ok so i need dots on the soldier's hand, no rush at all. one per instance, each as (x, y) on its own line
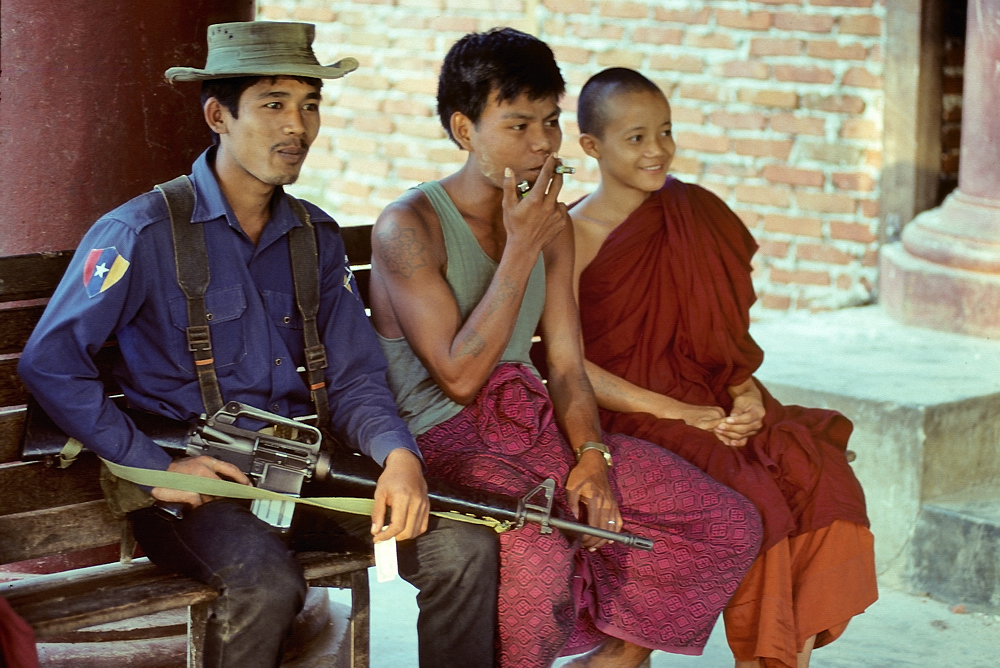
(203, 467)
(401, 487)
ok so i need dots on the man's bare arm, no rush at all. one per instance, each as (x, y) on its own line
(411, 296)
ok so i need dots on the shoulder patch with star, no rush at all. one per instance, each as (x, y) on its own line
(104, 267)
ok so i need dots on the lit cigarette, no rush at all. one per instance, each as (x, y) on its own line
(565, 169)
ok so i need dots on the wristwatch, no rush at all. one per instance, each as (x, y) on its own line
(594, 445)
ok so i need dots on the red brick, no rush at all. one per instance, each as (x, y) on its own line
(838, 104)
(725, 119)
(769, 46)
(766, 195)
(746, 69)
(851, 232)
(822, 253)
(870, 258)
(358, 102)
(705, 92)
(800, 276)
(820, 75)
(354, 144)
(803, 22)
(841, 3)
(862, 78)
(831, 50)
(691, 16)
(953, 110)
(793, 176)
(679, 114)
(749, 218)
(320, 161)
(853, 181)
(952, 85)
(571, 54)
(445, 155)
(763, 148)
(272, 13)
(314, 14)
(861, 24)
(873, 158)
(624, 10)
(658, 35)
(382, 125)
(774, 302)
(602, 31)
(719, 189)
(737, 19)
(683, 165)
(801, 226)
(462, 24)
(568, 6)
(844, 281)
(799, 125)
(713, 40)
(372, 166)
(628, 58)
(701, 142)
(368, 82)
(949, 163)
(728, 169)
(951, 138)
(825, 202)
(869, 208)
(398, 149)
(860, 128)
(772, 248)
(681, 63)
(782, 99)
(419, 127)
(779, 2)
(407, 107)
(353, 188)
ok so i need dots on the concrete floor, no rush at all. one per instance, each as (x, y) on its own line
(897, 632)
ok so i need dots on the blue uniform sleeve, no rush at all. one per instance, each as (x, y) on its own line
(361, 404)
(102, 290)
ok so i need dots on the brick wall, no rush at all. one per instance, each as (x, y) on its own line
(776, 103)
(952, 79)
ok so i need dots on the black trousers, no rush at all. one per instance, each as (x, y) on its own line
(454, 565)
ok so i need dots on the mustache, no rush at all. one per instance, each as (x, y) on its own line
(291, 143)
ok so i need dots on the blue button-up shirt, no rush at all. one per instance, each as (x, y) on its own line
(123, 281)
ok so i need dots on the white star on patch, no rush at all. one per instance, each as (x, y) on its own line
(100, 270)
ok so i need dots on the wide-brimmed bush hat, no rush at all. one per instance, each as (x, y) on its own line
(261, 48)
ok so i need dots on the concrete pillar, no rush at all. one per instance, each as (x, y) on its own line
(945, 274)
(86, 119)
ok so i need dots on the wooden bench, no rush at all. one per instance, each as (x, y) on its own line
(46, 511)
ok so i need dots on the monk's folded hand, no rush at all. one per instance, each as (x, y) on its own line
(534, 221)
(745, 420)
(702, 417)
(588, 484)
(401, 487)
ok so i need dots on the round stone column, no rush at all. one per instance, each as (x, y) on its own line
(87, 120)
(945, 274)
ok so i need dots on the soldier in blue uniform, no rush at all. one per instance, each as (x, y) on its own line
(261, 97)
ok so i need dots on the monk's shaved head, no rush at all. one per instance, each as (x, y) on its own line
(591, 110)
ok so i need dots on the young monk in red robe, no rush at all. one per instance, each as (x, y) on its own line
(664, 289)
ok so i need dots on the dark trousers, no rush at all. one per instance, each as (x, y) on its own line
(454, 566)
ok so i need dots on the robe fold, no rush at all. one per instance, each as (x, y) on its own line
(665, 305)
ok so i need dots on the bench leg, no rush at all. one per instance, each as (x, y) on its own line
(360, 620)
(197, 627)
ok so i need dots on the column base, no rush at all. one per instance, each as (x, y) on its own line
(919, 292)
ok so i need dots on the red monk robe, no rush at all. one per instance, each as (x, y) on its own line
(665, 305)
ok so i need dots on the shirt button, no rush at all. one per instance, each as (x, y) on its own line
(286, 319)
(275, 408)
(277, 362)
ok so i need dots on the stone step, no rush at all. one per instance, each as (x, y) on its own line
(956, 549)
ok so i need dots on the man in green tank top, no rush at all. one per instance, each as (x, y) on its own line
(463, 272)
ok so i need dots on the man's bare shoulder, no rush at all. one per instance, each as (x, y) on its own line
(407, 234)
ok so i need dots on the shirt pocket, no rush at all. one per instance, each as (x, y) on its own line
(282, 310)
(225, 308)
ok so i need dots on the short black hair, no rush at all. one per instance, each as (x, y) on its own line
(228, 91)
(591, 111)
(504, 60)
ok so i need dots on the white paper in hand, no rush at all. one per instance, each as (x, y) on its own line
(386, 566)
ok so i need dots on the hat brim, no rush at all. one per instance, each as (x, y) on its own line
(335, 71)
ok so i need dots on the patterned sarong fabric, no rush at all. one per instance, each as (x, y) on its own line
(557, 598)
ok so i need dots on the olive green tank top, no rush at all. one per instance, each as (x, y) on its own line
(421, 402)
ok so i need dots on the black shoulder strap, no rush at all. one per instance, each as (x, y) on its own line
(305, 271)
(191, 261)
